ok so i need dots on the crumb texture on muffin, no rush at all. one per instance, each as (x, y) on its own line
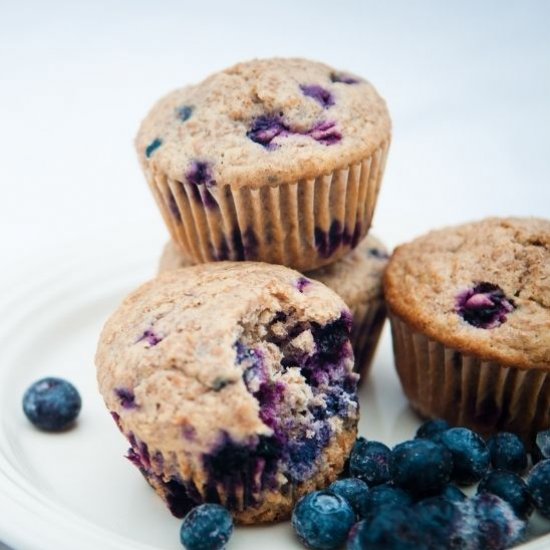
(482, 288)
(232, 384)
(263, 122)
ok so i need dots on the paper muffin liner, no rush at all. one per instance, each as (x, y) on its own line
(303, 224)
(368, 322)
(246, 493)
(442, 382)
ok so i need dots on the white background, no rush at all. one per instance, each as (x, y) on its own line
(468, 86)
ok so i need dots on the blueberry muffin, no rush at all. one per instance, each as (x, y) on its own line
(233, 383)
(470, 313)
(277, 160)
(356, 278)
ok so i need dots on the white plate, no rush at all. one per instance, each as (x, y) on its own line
(75, 490)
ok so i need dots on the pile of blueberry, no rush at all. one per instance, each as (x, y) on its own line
(407, 497)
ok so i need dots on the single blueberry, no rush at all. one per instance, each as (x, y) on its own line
(206, 527)
(126, 397)
(452, 493)
(343, 78)
(484, 306)
(352, 489)
(383, 497)
(325, 133)
(319, 94)
(541, 448)
(507, 452)
(538, 482)
(491, 523)
(152, 147)
(509, 487)
(52, 404)
(432, 428)
(421, 467)
(392, 529)
(265, 129)
(471, 456)
(439, 523)
(322, 520)
(369, 461)
(185, 112)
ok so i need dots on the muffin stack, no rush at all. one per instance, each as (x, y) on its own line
(276, 161)
(233, 377)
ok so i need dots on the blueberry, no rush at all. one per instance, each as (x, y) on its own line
(432, 428)
(152, 147)
(421, 467)
(440, 523)
(52, 404)
(394, 529)
(491, 523)
(369, 461)
(471, 457)
(319, 94)
(541, 448)
(206, 527)
(343, 78)
(538, 482)
(185, 112)
(484, 306)
(322, 520)
(381, 498)
(509, 487)
(507, 452)
(265, 129)
(352, 489)
(452, 493)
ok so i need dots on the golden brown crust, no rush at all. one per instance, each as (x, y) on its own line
(424, 278)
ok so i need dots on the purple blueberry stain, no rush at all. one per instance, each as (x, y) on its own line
(150, 337)
(189, 432)
(126, 397)
(185, 112)
(319, 94)
(484, 306)
(152, 147)
(265, 129)
(302, 283)
(199, 175)
(325, 133)
(328, 242)
(343, 78)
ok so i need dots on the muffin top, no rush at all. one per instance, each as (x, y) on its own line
(482, 288)
(263, 122)
(356, 278)
(224, 349)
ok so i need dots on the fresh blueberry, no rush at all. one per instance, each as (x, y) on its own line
(352, 489)
(369, 461)
(319, 94)
(421, 467)
(509, 487)
(439, 523)
(484, 306)
(431, 429)
(185, 112)
(471, 457)
(507, 452)
(541, 448)
(538, 482)
(322, 520)
(152, 147)
(206, 527)
(52, 404)
(381, 498)
(491, 523)
(452, 493)
(394, 529)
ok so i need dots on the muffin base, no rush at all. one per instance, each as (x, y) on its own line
(368, 323)
(278, 505)
(442, 382)
(303, 224)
